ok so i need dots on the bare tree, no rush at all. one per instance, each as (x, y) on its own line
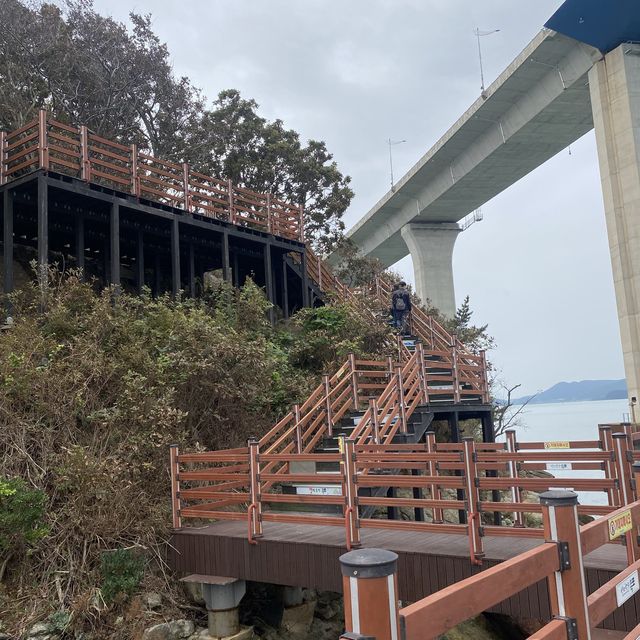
(507, 415)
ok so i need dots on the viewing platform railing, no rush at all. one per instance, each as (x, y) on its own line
(45, 143)
(440, 480)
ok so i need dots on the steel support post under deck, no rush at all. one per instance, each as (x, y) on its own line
(140, 261)
(305, 280)
(285, 289)
(80, 245)
(175, 258)
(7, 238)
(235, 276)
(114, 245)
(268, 281)
(192, 271)
(226, 264)
(43, 230)
(157, 273)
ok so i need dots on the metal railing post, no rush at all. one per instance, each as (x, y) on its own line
(185, 187)
(636, 479)
(473, 498)
(422, 372)
(298, 427)
(175, 485)
(232, 213)
(301, 230)
(432, 470)
(85, 160)
(370, 587)
(484, 377)
(255, 509)
(43, 144)
(606, 444)
(621, 449)
(327, 397)
(269, 220)
(516, 493)
(375, 420)
(402, 414)
(454, 371)
(354, 380)
(135, 179)
(351, 515)
(567, 589)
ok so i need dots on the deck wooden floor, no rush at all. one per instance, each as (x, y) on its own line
(304, 555)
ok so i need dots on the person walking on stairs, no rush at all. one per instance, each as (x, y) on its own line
(400, 306)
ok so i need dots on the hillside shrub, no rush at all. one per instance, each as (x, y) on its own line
(95, 386)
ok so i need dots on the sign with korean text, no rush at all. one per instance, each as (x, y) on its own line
(557, 444)
(627, 587)
(559, 466)
(620, 524)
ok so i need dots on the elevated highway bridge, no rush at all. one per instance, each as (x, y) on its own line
(581, 71)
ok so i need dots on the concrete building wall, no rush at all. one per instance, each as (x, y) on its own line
(615, 96)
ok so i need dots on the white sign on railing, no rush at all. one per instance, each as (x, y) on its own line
(627, 588)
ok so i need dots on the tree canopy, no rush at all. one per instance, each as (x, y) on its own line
(118, 80)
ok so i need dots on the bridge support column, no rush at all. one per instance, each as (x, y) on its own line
(615, 97)
(431, 248)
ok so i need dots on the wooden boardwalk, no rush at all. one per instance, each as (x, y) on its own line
(307, 556)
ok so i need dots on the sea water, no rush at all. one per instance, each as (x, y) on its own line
(570, 421)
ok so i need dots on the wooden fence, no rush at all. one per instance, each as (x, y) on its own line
(45, 143)
(437, 479)
(559, 560)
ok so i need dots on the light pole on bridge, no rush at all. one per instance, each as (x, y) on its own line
(392, 143)
(480, 33)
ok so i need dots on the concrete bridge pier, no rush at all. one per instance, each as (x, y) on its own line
(431, 247)
(615, 97)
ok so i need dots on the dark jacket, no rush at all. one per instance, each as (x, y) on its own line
(401, 294)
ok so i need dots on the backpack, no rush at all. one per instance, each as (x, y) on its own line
(399, 303)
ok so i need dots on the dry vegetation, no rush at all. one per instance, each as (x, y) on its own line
(94, 388)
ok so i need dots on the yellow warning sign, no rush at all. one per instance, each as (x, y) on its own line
(557, 444)
(620, 524)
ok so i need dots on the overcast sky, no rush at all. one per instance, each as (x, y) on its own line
(356, 72)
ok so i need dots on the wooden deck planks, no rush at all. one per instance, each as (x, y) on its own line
(299, 555)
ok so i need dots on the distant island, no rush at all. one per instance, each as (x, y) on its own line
(582, 391)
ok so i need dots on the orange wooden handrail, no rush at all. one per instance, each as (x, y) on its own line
(45, 143)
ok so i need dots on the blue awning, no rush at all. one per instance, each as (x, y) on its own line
(604, 24)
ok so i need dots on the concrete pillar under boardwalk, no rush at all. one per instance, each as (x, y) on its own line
(615, 97)
(222, 598)
(431, 247)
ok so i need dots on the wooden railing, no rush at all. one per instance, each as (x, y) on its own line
(446, 479)
(468, 370)
(559, 560)
(48, 144)
(370, 582)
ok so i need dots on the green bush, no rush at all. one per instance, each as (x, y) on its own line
(22, 512)
(122, 571)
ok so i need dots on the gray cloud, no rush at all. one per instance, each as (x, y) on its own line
(355, 72)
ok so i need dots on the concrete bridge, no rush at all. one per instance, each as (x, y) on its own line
(581, 71)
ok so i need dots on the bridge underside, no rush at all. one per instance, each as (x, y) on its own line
(307, 556)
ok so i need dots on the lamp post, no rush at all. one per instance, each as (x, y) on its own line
(480, 33)
(392, 143)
